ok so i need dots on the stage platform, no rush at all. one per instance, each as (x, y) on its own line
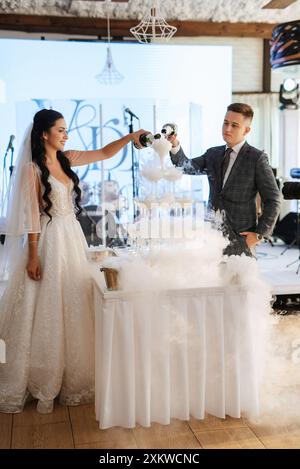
(273, 265)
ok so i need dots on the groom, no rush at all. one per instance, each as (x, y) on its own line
(236, 172)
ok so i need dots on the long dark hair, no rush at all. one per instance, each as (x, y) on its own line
(42, 122)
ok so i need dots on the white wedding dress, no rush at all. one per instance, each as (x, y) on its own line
(48, 325)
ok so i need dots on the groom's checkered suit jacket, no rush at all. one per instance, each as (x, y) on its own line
(250, 174)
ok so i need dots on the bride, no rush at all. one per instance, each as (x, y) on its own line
(46, 311)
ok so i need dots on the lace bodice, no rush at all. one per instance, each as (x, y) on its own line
(61, 197)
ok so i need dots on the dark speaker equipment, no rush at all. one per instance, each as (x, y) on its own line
(291, 190)
(88, 219)
(286, 304)
(286, 229)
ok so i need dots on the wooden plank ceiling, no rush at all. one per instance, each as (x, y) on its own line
(85, 26)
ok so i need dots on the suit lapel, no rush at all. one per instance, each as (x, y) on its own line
(218, 166)
(238, 162)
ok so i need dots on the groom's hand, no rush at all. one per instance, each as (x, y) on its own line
(173, 139)
(251, 238)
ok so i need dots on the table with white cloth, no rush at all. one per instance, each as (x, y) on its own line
(174, 354)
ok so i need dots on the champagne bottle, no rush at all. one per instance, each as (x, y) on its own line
(146, 140)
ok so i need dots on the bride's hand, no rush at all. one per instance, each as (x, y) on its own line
(136, 137)
(34, 268)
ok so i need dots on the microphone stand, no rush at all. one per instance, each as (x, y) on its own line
(133, 169)
(132, 159)
(93, 225)
(11, 168)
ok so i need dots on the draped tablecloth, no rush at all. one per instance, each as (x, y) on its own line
(174, 354)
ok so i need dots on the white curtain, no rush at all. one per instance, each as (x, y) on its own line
(265, 126)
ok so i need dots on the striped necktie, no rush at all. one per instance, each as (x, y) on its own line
(225, 162)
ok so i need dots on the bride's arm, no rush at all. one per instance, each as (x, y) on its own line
(33, 266)
(80, 158)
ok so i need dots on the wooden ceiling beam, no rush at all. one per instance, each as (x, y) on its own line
(120, 28)
(226, 29)
(278, 4)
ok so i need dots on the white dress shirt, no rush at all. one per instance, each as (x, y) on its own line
(233, 157)
(176, 149)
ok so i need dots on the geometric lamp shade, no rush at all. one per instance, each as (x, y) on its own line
(153, 26)
(109, 74)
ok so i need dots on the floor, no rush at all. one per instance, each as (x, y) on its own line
(279, 267)
(76, 427)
